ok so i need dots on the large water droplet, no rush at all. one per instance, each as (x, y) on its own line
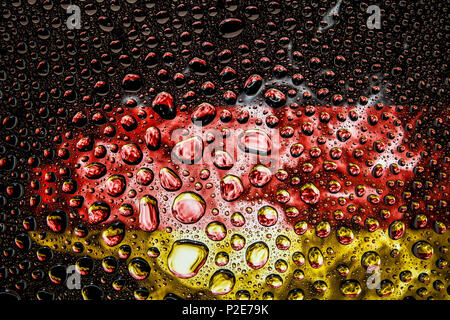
(169, 179)
(259, 176)
(148, 213)
(267, 216)
(315, 257)
(309, 193)
(257, 255)
(186, 258)
(138, 268)
(188, 207)
(189, 151)
(231, 187)
(255, 141)
(222, 282)
(231, 27)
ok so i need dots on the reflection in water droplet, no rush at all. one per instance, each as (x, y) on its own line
(315, 257)
(148, 213)
(237, 242)
(114, 234)
(255, 141)
(267, 216)
(222, 282)
(274, 281)
(396, 230)
(350, 288)
(386, 288)
(216, 231)
(222, 259)
(422, 250)
(296, 294)
(309, 193)
(169, 179)
(139, 268)
(188, 151)
(231, 187)
(370, 261)
(259, 176)
(345, 235)
(188, 207)
(257, 255)
(186, 258)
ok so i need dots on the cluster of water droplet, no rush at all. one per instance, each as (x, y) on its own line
(222, 147)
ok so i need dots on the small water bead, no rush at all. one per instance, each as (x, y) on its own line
(118, 284)
(109, 264)
(144, 176)
(169, 179)
(231, 187)
(442, 263)
(298, 258)
(126, 210)
(131, 154)
(124, 251)
(268, 296)
(188, 207)
(153, 252)
(242, 295)
(320, 286)
(204, 174)
(406, 276)
(292, 212)
(283, 196)
(345, 235)
(300, 227)
(323, 229)
(99, 212)
(396, 230)
(148, 213)
(343, 270)
(255, 141)
(84, 265)
(371, 224)
(309, 193)
(438, 285)
(113, 234)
